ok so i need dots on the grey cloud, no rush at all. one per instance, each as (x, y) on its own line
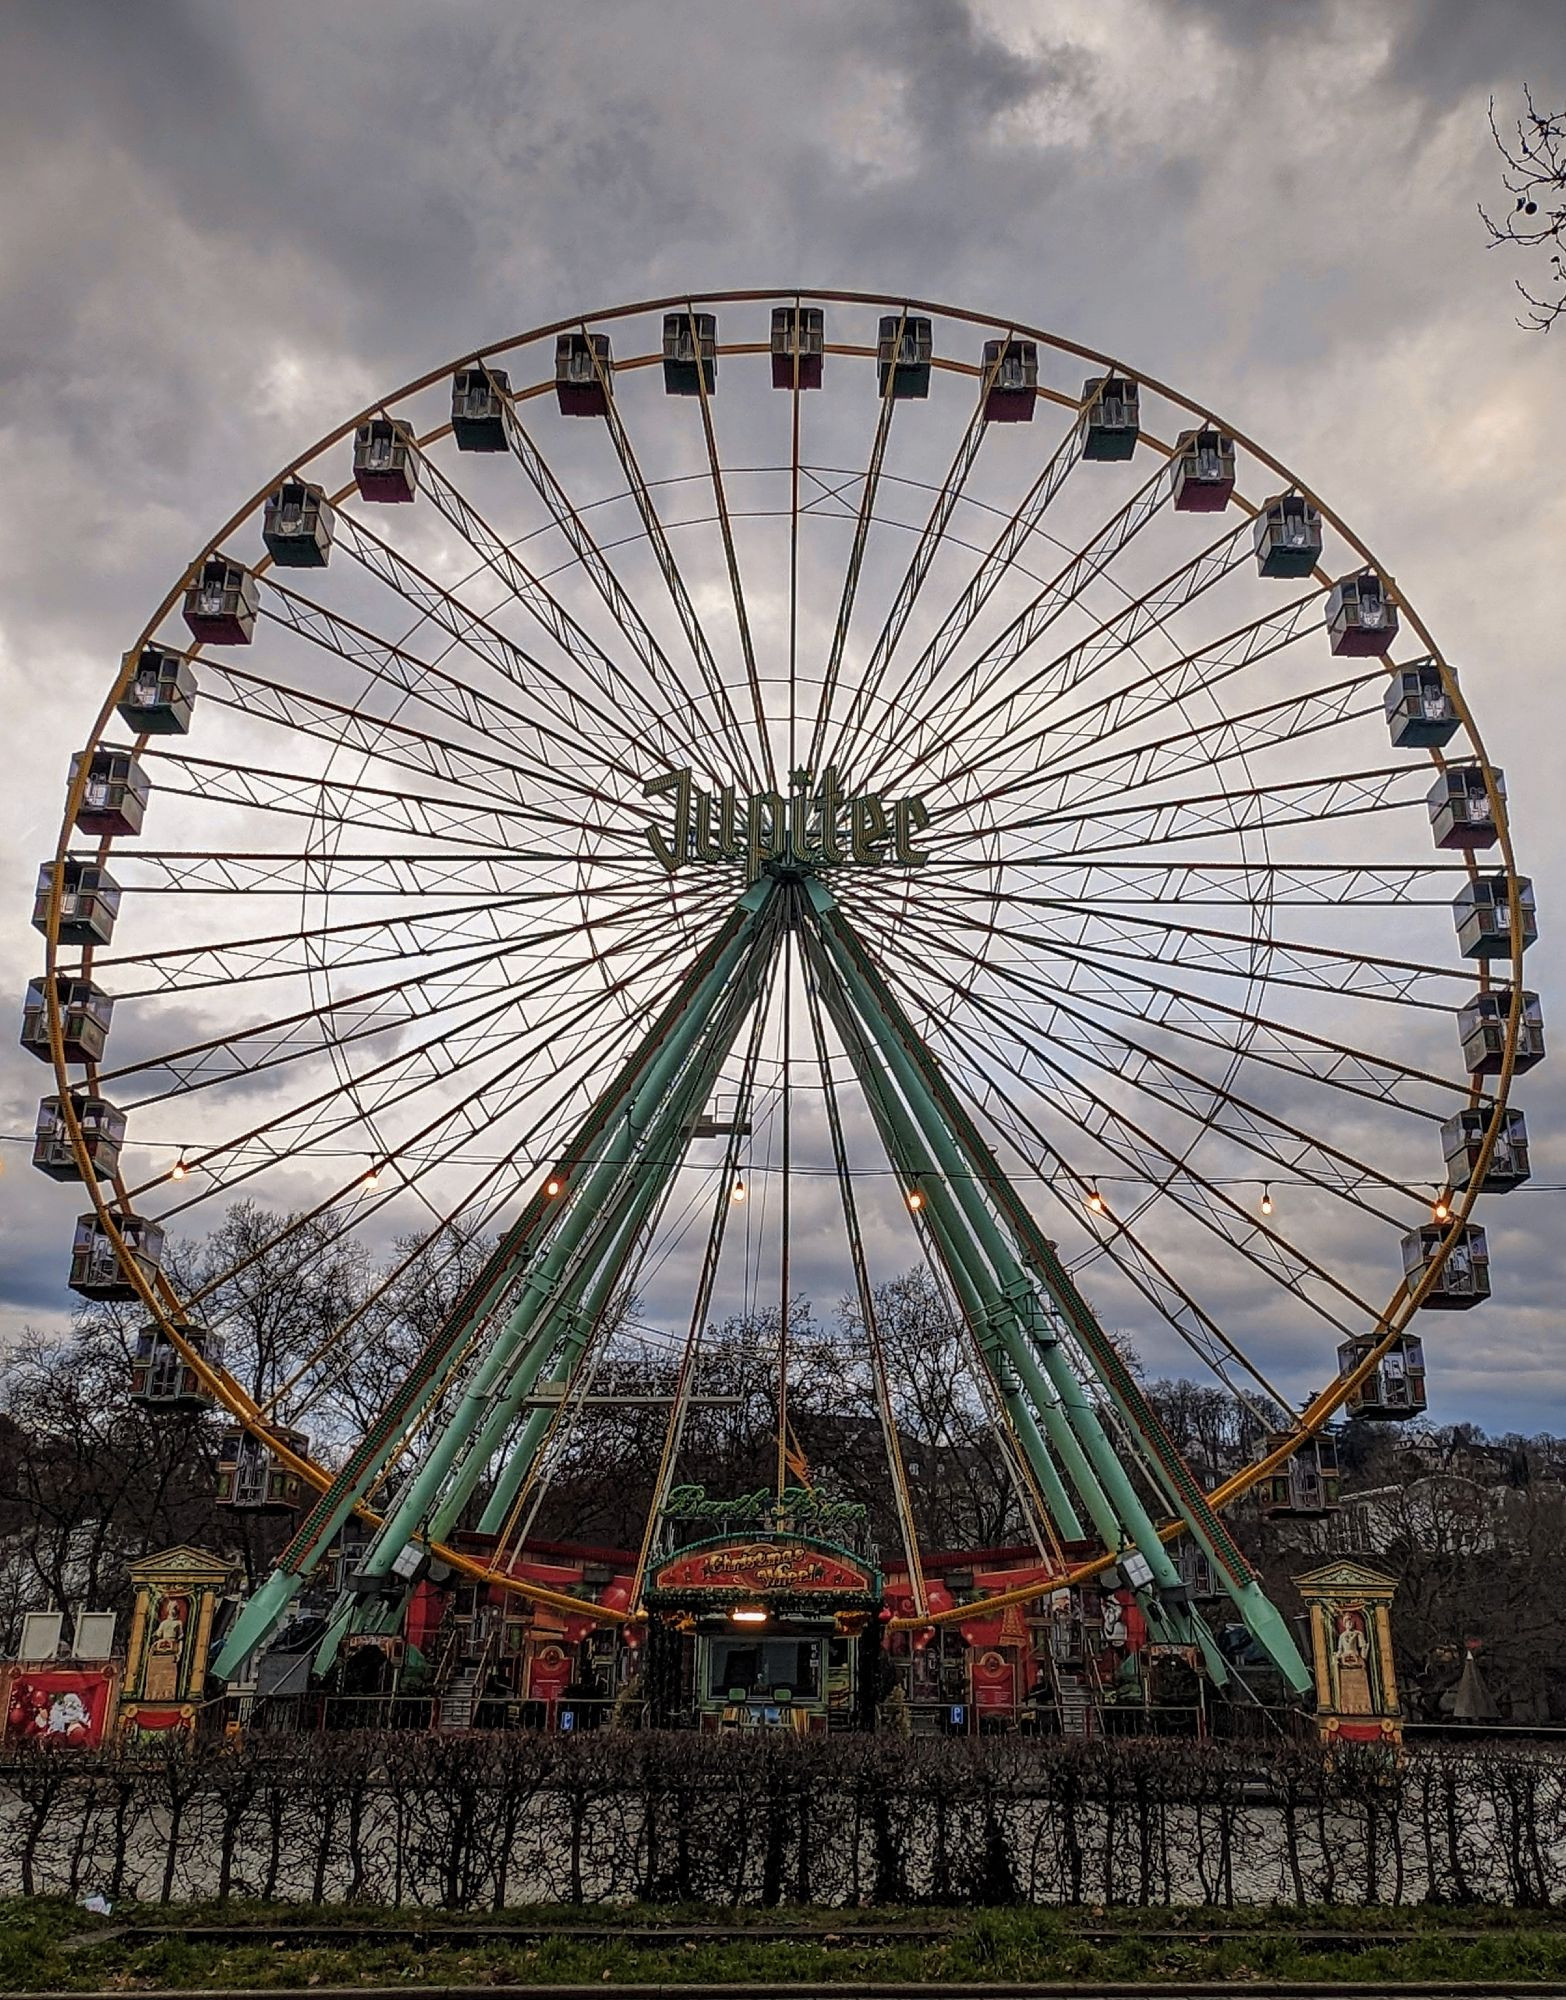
(206, 198)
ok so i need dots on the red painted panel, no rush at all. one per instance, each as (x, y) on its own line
(763, 1567)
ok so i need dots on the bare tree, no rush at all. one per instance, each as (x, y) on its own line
(1535, 178)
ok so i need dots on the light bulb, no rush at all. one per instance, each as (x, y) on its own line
(1442, 1208)
(1095, 1201)
(372, 1179)
(179, 1170)
(1266, 1200)
(915, 1200)
(553, 1186)
(737, 1192)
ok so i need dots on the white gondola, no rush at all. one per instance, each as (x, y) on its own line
(584, 374)
(1462, 1142)
(297, 526)
(1014, 385)
(1420, 711)
(1482, 1023)
(114, 798)
(1462, 810)
(96, 1269)
(1464, 1280)
(1394, 1389)
(478, 418)
(798, 341)
(1114, 420)
(161, 693)
(102, 1130)
(85, 1014)
(905, 349)
(1482, 911)
(1287, 536)
(690, 353)
(221, 605)
(385, 461)
(1361, 616)
(1204, 472)
(89, 901)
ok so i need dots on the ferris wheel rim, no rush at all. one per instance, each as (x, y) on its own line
(1404, 1302)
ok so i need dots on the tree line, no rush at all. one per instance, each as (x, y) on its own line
(1474, 1529)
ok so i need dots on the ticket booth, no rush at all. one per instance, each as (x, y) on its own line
(778, 1621)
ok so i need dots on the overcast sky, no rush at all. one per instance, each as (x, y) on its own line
(223, 227)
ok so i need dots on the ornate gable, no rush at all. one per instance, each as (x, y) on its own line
(1345, 1579)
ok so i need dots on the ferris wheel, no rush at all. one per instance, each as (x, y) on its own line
(741, 788)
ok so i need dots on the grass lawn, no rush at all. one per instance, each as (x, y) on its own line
(52, 1945)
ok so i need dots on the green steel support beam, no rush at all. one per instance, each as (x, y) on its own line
(904, 1149)
(584, 1214)
(563, 1315)
(445, 1351)
(1108, 1492)
(661, 1152)
(977, 1170)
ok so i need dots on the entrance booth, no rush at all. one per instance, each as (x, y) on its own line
(783, 1627)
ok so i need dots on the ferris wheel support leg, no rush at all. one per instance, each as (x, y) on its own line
(976, 1168)
(599, 1132)
(1009, 1297)
(568, 1334)
(573, 1315)
(1004, 1339)
(566, 1350)
(997, 1345)
(473, 1418)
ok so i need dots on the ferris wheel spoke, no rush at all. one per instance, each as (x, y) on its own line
(924, 553)
(1165, 1173)
(481, 1201)
(1112, 883)
(411, 872)
(1052, 602)
(566, 715)
(433, 686)
(1015, 765)
(1113, 638)
(325, 947)
(1111, 831)
(1241, 737)
(1085, 885)
(1208, 1101)
(917, 685)
(1199, 949)
(1283, 1045)
(423, 1158)
(596, 567)
(1217, 1105)
(548, 1124)
(731, 562)
(674, 582)
(655, 729)
(1154, 1163)
(349, 1018)
(474, 767)
(1192, 1323)
(869, 489)
(351, 805)
(400, 1076)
